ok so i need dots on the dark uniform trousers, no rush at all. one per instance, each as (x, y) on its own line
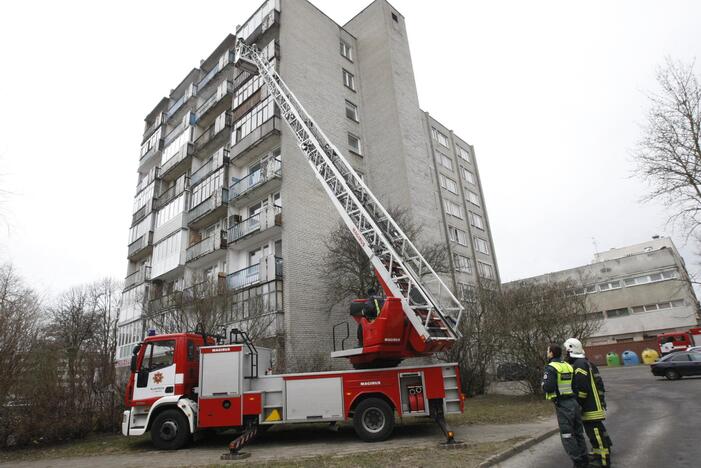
(569, 418)
(600, 442)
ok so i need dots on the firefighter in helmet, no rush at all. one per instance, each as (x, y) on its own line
(589, 388)
(557, 385)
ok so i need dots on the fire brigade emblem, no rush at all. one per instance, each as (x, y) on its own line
(158, 377)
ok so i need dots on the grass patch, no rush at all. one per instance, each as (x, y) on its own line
(470, 456)
(102, 444)
(502, 409)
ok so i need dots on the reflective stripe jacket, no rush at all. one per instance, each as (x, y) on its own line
(589, 388)
(557, 380)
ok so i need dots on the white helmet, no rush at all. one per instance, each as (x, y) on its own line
(574, 347)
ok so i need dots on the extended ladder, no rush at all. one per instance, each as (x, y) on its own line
(432, 309)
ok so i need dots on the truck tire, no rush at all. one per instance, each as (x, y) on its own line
(373, 420)
(170, 430)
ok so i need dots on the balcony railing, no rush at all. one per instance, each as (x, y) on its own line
(214, 201)
(271, 170)
(139, 276)
(258, 222)
(168, 301)
(225, 89)
(180, 186)
(243, 278)
(260, 308)
(176, 106)
(206, 246)
(183, 153)
(140, 244)
(215, 70)
(142, 212)
(157, 122)
(256, 137)
(152, 175)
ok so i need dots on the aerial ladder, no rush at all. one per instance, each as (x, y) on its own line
(420, 315)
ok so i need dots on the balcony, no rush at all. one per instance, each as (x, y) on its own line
(153, 174)
(199, 251)
(178, 164)
(267, 269)
(259, 309)
(258, 228)
(140, 276)
(149, 151)
(166, 302)
(216, 103)
(209, 210)
(257, 142)
(158, 121)
(141, 247)
(142, 212)
(219, 159)
(224, 61)
(215, 135)
(262, 20)
(258, 184)
(181, 185)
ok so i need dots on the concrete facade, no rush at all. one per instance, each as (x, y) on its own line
(636, 291)
(271, 215)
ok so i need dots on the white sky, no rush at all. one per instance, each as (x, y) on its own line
(551, 94)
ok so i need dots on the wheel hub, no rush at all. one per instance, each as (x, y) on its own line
(373, 420)
(169, 430)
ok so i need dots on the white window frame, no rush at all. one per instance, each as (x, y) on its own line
(445, 161)
(439, 137)
(473, 198)
(462, 153)
(486, 270)
(448, 184)
(462, 263)
(468, 176)
(353, 110)
(346, 50)
(348, 80)
(357, 150)
(457, 235)
(473, 217)
(452, 209)
(481, 245)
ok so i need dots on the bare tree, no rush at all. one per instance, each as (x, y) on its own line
(669, 153)
(348, 271)
(19, 320)
(535, 314)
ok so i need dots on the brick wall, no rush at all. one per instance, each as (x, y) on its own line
(597, 354)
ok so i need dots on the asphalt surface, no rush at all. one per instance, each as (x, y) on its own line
(652, 422)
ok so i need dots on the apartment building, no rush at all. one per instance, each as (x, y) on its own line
(224, 194)
(636, 292)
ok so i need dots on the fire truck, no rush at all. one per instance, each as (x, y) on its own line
(678, 341)
(184, 383)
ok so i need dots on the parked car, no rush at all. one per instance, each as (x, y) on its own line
(512, 371)
(694, 349)
(674, 366)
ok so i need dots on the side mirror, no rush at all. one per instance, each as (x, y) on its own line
(133, 363)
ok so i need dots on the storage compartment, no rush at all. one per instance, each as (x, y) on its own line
(220, 372)
(413, 396)
(314, 399)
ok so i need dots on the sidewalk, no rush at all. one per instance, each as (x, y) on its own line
(296, 444)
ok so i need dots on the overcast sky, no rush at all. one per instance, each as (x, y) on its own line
(551, 94)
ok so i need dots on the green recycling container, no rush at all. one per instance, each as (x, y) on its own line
(612, 359)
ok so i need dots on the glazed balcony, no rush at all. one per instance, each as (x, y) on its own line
(142, 212)
(166, 302)
(214, 136)
(259, 141)
(257, 184)
(173, 192)
(141, 247)
(178, 163)
(200, 251)
(209, 210)
(259, 307)
(216, 103)
(140, 276)
(219, 159)
(267, 269)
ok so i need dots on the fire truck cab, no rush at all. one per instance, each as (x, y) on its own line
(184, 383)
(678, 341)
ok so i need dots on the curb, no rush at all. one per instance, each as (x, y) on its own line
(519, 447)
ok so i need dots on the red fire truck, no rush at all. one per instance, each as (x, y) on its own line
(678, 341)
(184, 383)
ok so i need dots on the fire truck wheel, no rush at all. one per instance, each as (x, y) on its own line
(373, 420)
(170, 430)
(671, 374)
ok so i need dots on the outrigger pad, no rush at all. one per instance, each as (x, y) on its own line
(453, 444)
(235, 456)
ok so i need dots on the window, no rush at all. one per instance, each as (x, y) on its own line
(354, 144)
(462, 263)
(348, 79)
(638, 309)
(261, 113)
(651, 278)
(696, 357)
(158, 355)
(346, 50)
(462, 153)
(467, 293)
(170, 211)
(473, 198)
(468, 176)
(617, 312)
(678, 303)
(193, 351)
(448, 184)
(439, 137)
(680, 357)
(485, 270)
(595, 316)
(395, 18)
(610, 285)
(452, 209)
(444, 161)
(457, 235)
(481, 245)
(476, 220)
(352, 111)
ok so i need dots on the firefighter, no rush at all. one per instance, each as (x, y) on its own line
(373, 305)
(589, 388)
(557, 385)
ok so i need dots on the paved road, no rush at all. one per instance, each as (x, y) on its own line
(652, 422)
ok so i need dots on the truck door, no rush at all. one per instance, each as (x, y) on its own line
(156, 376)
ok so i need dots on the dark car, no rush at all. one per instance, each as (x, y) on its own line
(512, 371)
(677, 365)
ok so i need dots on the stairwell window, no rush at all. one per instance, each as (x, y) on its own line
(444, 161)
(468, 176)
(462, 153)
(346, 50)
(348, 80)
(476, 220)
(473, 198)
(354, 144)
(439, 137)
(462, 263)
(457, 235)
(452, 209)
(448, 184)
(485, 270)
(352, 111)
(481, 245)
